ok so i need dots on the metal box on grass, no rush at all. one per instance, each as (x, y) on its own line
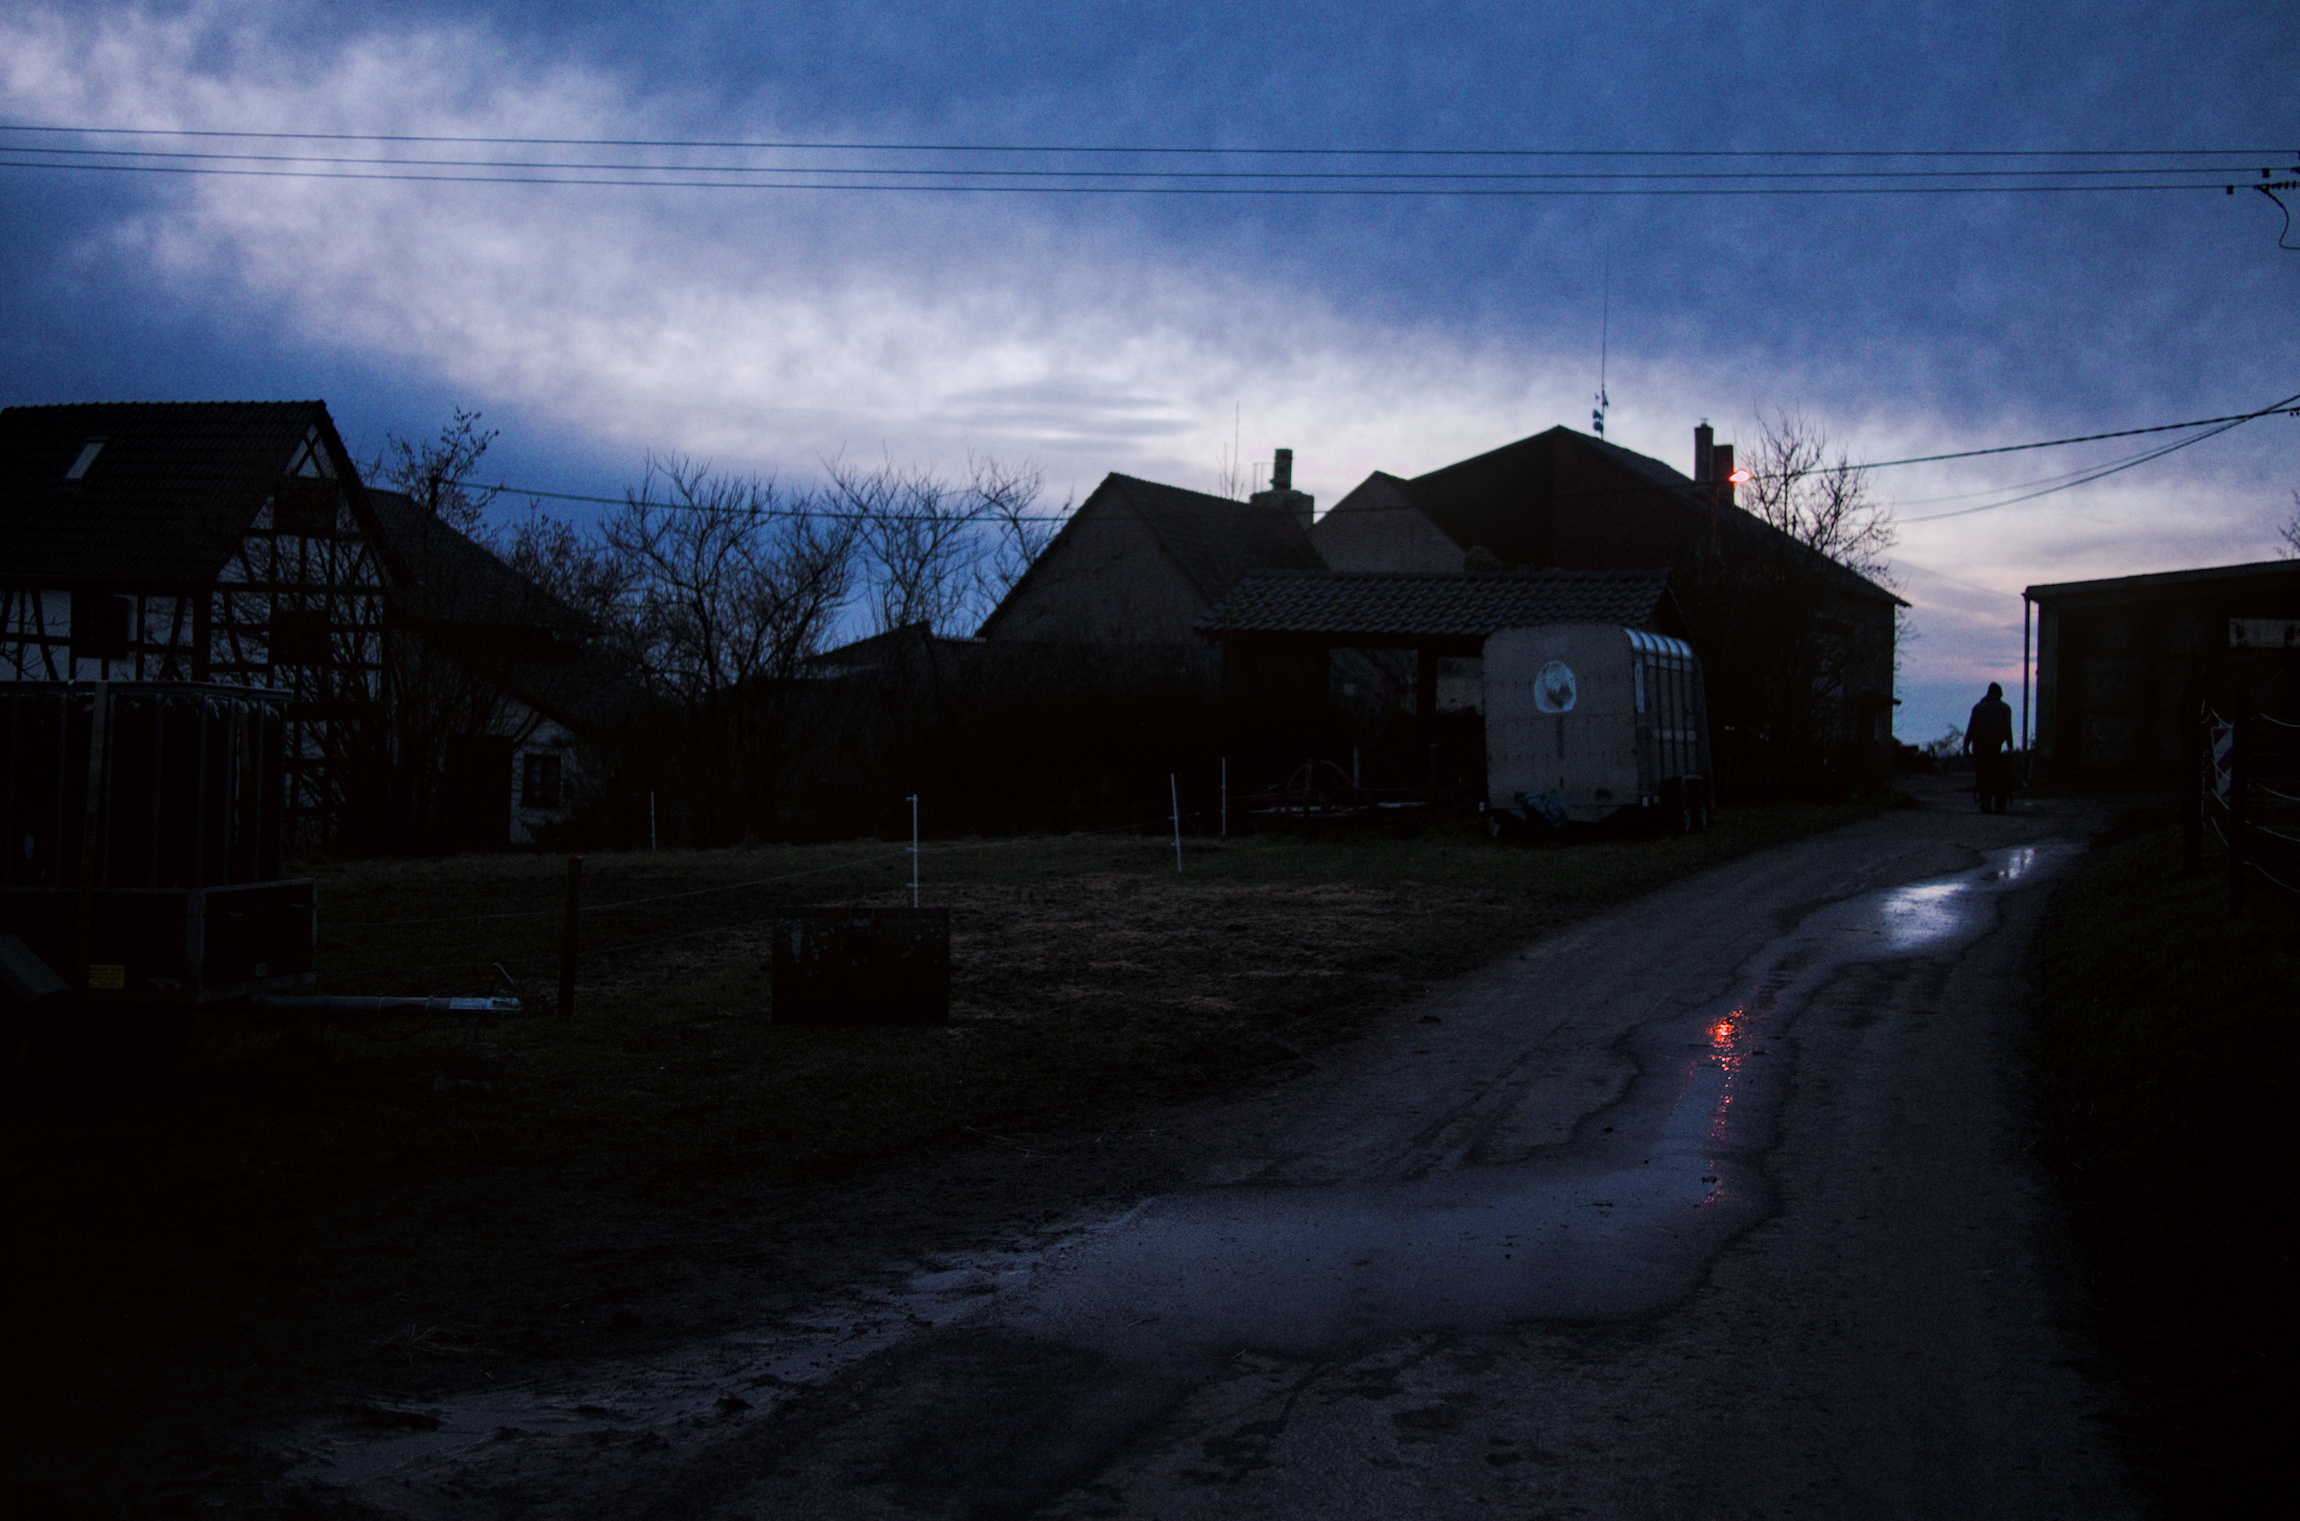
(862, 966)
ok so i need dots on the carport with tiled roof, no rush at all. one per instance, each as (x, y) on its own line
(1279, 630)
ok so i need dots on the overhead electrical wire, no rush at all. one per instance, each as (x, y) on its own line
(2001, 488)
(2085, 177)
(2218, 425)
(865, 167)
(1100, 174)
(1143, 148)
(2286, 405)
(2085, 438)
(1130, 188)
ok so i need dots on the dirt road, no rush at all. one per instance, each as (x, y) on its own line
(1717, 1205)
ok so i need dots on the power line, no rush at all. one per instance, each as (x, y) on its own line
(2113, 469)
(1148, 148)
(2000, 489)
(1167, 189)
(63, 155)
(2085, 438)
(2090, 473)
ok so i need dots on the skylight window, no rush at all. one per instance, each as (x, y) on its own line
(88, 453)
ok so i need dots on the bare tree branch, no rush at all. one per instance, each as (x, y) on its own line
(725, 586)
(1821, 503)
(922, 538)
(939, 554)
(1021, 530)
(437, 474)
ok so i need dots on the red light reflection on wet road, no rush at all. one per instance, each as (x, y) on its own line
(1724, 1035)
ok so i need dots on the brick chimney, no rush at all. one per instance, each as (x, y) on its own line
(1721, 472)
(1282, 493)
(1702, 443)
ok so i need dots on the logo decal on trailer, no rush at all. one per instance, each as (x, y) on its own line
(1554, 690)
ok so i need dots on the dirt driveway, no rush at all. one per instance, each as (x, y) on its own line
(1715, 1205)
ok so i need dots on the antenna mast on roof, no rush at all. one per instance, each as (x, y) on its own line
(1604, 333)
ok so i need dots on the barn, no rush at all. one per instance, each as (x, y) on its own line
(2122, 664)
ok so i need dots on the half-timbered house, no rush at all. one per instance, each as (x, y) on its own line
(234, 543)
(225, 542)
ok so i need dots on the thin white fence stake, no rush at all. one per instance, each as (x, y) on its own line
(914, 850)
(1174, 790)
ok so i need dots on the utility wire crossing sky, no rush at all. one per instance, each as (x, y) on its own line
(2104, 170)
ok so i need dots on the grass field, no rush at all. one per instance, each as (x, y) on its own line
(296, 1200)
(1088, 974)
(2163, 1039)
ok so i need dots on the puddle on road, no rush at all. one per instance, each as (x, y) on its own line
(1608, 1225)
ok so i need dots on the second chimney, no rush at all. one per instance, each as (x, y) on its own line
(1721, 472)
(1282, 494)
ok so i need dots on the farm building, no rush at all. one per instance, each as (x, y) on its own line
(2121, 662)
(201, 541)
(1799, 649)
(1386, 666)
(489, 673)
(1140, 563)
(233, 542)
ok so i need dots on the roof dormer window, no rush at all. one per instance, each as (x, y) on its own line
(88, 453)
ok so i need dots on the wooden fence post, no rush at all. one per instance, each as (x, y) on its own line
(2199, 741)
(2239, 739)
(571, 938)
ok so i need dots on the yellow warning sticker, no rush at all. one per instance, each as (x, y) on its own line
(111, 978)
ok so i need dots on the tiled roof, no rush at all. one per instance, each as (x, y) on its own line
(1488, 499)
(458, 581)
(1214, 539)
(166, 499)
(1432, 605)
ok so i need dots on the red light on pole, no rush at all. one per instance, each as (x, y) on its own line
(1739, 477)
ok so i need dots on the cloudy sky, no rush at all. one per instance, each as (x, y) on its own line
(769, 329)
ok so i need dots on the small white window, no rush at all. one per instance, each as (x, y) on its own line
(88, 453)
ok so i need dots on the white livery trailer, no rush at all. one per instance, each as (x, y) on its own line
(1583, 720)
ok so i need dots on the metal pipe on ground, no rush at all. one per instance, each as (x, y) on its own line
(331, 1006)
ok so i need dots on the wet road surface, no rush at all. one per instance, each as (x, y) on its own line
(1715, 1206)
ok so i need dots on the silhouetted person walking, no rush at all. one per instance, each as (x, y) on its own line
(1988, 736)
